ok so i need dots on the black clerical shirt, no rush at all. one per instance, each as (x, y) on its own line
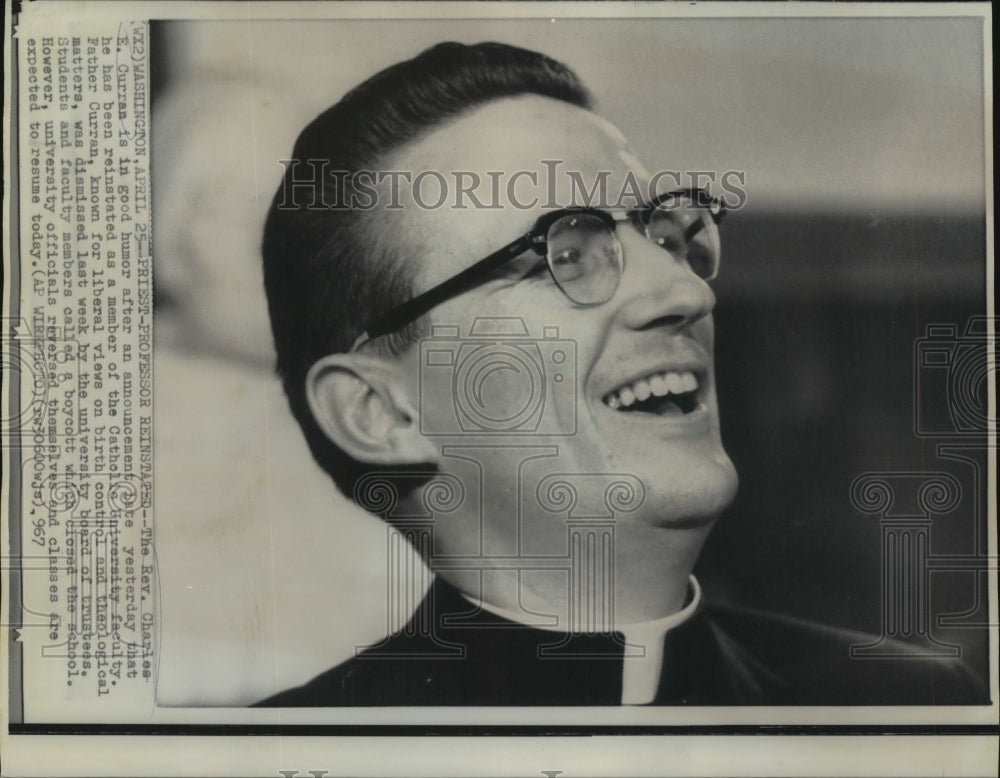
(452, 653)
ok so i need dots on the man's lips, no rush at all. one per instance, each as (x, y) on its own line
(675, 390)
(655, 389)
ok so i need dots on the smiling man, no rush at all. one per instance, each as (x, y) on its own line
(485, 308)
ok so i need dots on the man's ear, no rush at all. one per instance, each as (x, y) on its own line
(361, 405)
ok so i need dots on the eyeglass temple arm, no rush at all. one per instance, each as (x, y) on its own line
(413, 309)
(409, 311)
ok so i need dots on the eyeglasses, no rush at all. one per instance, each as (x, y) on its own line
(584, 254)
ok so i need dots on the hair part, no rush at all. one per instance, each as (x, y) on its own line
(328, 271)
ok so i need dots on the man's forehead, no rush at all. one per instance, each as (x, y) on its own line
(520, 133)
(518, 156)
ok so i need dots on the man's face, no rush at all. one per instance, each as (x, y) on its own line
(657, 327)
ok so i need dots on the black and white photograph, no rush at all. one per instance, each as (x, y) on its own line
(443, 290)
(505, 369)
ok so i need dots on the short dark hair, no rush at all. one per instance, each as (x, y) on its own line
(325, 273)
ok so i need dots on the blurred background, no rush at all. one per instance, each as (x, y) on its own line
(862, 145)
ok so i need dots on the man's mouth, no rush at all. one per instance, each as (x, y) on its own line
(665, 393)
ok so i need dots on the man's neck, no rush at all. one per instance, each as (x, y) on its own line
(645, 579)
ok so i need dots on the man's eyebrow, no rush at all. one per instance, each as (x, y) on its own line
(518, 266)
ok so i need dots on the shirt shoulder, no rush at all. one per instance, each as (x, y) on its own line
(818, 664)
(396, 672)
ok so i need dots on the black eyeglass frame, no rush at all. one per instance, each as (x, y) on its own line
(535, 239)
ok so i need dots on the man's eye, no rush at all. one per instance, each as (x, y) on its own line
(568, 265)
(567, 258)
(675, 244)
(667, 232)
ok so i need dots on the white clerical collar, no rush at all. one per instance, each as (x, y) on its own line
(640, 670)
(641, 674)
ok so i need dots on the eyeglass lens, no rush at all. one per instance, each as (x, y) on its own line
(690, 235)
(585, 255)
(585, 258)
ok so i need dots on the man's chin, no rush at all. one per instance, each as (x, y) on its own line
(690, 502)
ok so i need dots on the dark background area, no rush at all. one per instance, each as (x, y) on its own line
(816, 325)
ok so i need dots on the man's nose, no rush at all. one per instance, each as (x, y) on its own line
(658, 288)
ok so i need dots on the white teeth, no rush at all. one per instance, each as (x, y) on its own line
(674, 383)
(656, 385)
